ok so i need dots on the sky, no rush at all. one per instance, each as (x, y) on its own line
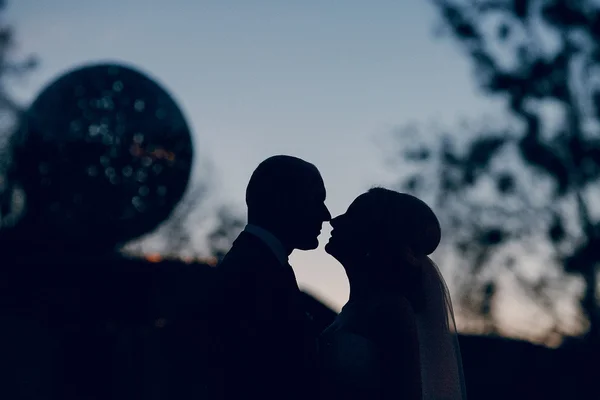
(323, 80)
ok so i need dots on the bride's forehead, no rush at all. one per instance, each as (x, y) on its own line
(362, 202)
(363, 208)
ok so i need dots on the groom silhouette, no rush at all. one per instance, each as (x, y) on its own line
(270, 349)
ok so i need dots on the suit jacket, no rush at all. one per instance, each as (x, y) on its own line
(269, 341)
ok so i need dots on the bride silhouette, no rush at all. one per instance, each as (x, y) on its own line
(396, 336)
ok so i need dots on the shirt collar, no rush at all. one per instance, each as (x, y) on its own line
(270, 240)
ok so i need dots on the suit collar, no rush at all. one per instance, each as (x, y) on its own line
(270, 240)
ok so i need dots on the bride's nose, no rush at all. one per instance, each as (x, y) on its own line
(326, 214)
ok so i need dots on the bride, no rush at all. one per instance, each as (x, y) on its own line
(396, 337)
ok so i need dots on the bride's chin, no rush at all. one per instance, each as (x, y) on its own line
(328, 249)
(332, 251)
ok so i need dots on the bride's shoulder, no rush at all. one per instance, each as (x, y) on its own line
(392, 307)
(393, 316)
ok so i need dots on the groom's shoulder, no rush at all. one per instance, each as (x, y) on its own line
(246, 252)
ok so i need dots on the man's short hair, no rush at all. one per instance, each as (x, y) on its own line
(277, 178)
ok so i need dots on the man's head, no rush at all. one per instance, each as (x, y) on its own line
(286, 195)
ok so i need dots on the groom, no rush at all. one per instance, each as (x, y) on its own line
(269, 347)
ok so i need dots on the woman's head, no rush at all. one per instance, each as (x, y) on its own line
(382, 231)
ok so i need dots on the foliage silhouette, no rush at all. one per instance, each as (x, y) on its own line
(10, 68)
(78, 318)
(103, 155)
(543, 58)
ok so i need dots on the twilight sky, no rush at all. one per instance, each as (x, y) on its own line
(322, 80)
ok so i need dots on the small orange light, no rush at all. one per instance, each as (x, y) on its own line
(153, 258)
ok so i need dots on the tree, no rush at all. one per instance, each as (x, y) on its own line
(221, 237)
(528, 185)
(177, 232)
(10, 68)
(199, 215)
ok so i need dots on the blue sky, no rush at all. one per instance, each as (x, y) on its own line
(320, 79)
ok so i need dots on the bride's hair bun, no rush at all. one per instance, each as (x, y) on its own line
(427, 232)
(409, 220)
